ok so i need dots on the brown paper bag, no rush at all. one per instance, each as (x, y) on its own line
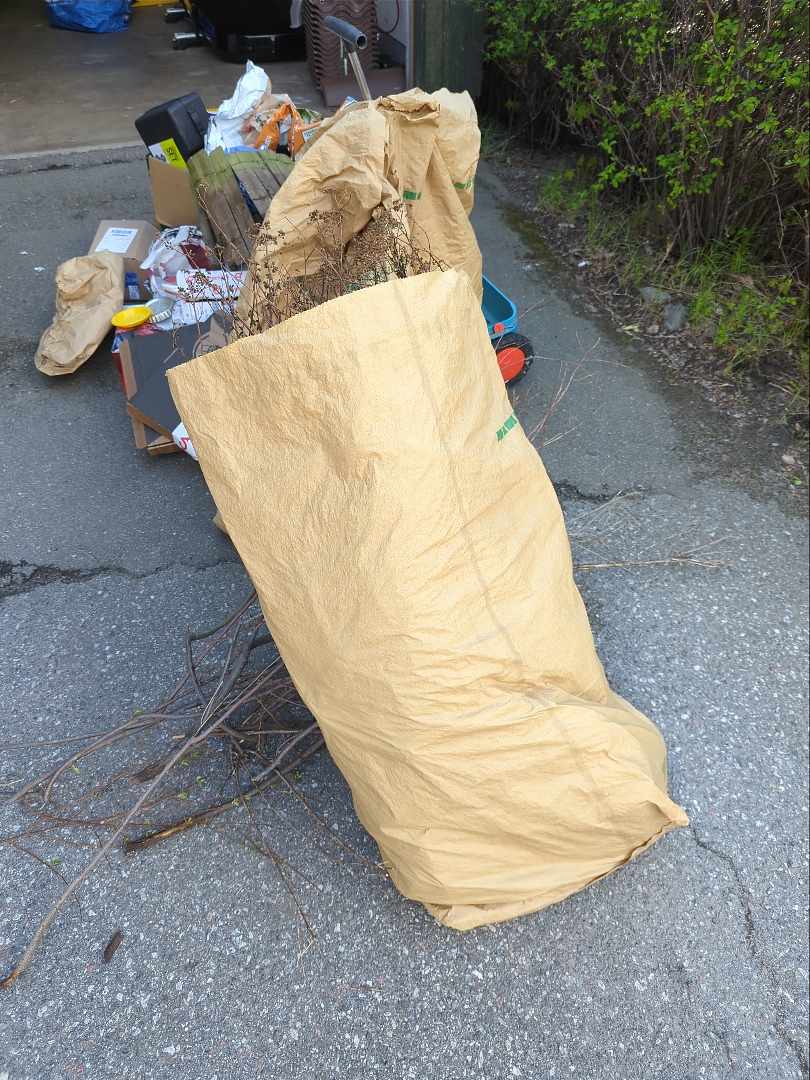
(413, 567)
(459, 142)
(377, 155)
(345, 164)
(421, 127)
(89, 291)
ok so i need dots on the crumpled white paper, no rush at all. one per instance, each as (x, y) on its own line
(183, 440)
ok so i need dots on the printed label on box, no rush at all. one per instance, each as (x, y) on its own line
(117, 239)
(167, 151)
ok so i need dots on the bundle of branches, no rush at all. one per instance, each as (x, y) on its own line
(235, 704)
(336, 263)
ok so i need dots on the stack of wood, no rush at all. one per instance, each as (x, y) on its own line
(234, 191)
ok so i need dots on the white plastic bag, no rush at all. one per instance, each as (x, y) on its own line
(225, 128)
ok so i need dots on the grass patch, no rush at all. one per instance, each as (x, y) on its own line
(754, 313)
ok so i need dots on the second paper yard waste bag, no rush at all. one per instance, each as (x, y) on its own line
(413, 566)
(412, 154)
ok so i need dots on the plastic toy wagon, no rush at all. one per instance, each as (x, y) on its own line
(514, 352)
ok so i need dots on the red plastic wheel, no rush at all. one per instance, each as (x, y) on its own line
(514, 354)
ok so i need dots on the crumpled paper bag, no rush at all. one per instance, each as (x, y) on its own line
(414, 150)
(89, 291)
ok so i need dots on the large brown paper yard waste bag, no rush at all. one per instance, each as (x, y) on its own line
(430, 134)
(413, 150)
(413, 567)
(459, 141)
(89, 291)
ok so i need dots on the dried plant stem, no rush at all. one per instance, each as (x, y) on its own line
(74, 885)
(669, 560)
(140, 843)
(210, 724)
(223, 703)
(128, 728)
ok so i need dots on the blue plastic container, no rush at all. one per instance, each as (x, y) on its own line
(499, 311)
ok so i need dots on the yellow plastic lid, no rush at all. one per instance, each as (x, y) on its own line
(130, 317)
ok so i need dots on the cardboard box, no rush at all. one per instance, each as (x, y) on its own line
(172, 194)
(126, 369)
(143, 361)
(132, 239)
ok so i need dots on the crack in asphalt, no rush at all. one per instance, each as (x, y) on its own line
(68, 158)
(744, 895)
(22, 577)
(722, 1037)
(567, 490)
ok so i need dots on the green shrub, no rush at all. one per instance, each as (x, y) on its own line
(749, 309)
(697, 109)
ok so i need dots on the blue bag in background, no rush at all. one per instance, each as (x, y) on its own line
(96, 16)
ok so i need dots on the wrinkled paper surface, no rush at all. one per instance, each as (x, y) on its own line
(89, 291)
(413, 566)
(415, 151)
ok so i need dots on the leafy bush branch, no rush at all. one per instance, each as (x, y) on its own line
(697, 108)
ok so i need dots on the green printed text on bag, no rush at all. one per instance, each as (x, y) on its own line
(506, 427)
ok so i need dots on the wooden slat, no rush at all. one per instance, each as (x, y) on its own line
(162, 445)
(278, 165)
(147, 421)
(251, 179)
(262, 173)
(130, 387)
(217, 191)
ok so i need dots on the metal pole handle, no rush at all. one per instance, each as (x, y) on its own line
(351, 40)
(351, 37)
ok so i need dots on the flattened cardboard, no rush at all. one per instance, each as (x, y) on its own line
(172, 194)
(152, 355)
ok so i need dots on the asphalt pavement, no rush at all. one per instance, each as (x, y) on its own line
(689, 963)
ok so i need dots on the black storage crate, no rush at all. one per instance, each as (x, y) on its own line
(184, 119)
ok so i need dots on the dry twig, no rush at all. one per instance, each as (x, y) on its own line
(228, 705)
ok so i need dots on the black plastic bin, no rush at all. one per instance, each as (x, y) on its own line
(182, 121)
